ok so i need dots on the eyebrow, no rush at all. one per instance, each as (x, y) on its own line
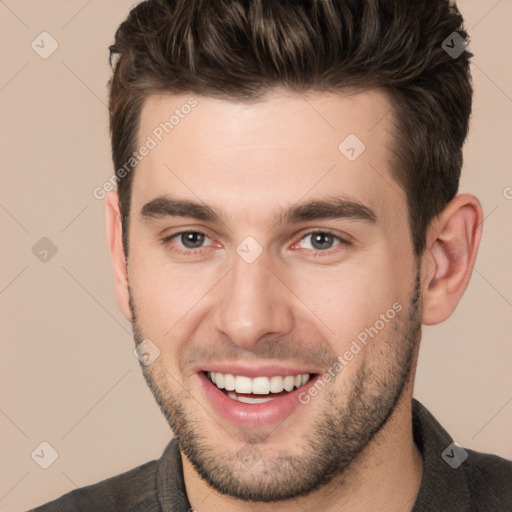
(329, 208)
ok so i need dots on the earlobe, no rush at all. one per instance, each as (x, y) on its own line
(452, 247)
(115, 241)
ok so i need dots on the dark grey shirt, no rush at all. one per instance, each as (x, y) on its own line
(480, 483)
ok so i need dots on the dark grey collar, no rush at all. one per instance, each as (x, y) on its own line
(443, 488)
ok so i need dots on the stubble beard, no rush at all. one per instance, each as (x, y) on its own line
(334, 440)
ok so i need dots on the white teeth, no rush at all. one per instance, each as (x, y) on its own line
(258, 385)
(261, 386)
(220, 380)
(276, 384)
(243, 384)
(249, 400)
(289, 382)
(229, 382)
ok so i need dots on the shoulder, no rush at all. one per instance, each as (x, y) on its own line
(143, 488)
(471, 481)
(132, 490)
(489, 479)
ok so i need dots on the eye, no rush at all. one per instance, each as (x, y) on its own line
(320, 241)
(188, 240)
(192, 239)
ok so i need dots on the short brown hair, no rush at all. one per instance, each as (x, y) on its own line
(240, 49)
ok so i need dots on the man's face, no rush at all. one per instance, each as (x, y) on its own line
(295, 264)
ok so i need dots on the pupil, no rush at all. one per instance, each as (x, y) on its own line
(322, 240)
(192, 240)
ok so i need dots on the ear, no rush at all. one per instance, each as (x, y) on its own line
(115, 241)
(452, 245)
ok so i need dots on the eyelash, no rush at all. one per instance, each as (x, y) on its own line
(328, 252)
(199, 251)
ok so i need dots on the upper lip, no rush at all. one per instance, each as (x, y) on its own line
(256, 370)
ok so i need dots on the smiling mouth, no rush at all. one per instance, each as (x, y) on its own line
(257, 390)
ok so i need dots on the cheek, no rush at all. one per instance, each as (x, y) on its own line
(348, 301)
(165, 295)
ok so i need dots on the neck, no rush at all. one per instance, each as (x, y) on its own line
(385, 476)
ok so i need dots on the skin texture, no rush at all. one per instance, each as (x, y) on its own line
(351, 446)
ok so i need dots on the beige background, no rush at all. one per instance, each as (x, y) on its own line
(68, 374)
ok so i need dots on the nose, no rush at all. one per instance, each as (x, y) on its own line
(253, 305)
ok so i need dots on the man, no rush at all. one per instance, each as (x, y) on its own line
(286, 219)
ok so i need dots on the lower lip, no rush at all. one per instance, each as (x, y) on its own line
(253, 415)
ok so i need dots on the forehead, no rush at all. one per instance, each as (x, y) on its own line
(272, 151)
